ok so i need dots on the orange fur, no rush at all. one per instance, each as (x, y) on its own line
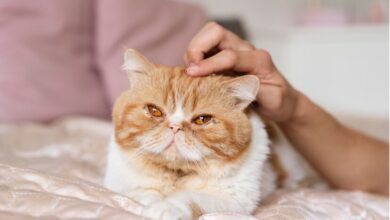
(198, 95)
(228, 138)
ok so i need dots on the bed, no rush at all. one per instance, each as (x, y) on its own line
(55, 171)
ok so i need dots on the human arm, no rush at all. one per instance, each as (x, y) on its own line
(346, 158)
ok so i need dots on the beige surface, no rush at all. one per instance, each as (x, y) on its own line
(55, 172)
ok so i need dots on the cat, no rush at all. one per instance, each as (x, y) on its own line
(184, 146)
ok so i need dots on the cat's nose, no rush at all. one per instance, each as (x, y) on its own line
(175, 127)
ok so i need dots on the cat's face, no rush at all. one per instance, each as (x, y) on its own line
(167, 115)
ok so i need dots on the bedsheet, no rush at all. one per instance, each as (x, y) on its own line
(55, 171)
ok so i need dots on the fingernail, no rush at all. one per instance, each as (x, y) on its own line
(192, 69)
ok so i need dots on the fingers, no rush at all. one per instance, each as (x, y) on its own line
(207, 38)
(241, 61)
(223, 60)
(213, 36)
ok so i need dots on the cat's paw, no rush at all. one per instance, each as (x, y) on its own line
(168, 210)
(145, 197)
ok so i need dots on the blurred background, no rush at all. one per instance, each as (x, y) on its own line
(62, 58)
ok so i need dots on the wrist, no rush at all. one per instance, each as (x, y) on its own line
(307, 116)
(303, 106)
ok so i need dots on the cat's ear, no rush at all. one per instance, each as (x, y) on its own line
(136, 65)
(244, 89)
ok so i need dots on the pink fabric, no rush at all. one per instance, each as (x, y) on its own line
(161, 30)
(63, 57)
(56, 172)
(46, 61)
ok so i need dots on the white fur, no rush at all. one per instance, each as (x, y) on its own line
(245, 88)
(236, 188)
(190, 153)
(132, 65)
(134, 62)
(299, 171)
(178, 116)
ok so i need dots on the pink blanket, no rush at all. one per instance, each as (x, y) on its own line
(55, 172)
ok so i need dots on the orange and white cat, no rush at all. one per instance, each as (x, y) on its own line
(186, 146)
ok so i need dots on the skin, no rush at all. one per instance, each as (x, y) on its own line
(346, 158)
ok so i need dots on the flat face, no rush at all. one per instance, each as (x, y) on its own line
(169, 116)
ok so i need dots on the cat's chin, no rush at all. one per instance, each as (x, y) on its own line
(171, 153)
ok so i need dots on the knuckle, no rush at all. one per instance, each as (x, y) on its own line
(217, 28)
(266, 55)
(248, 46)
(191, 50)
(263, 54)
(230, 56)
(263, 61)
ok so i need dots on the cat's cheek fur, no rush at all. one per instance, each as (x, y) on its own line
(156, 142)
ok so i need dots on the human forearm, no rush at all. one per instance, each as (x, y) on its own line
(346, 158)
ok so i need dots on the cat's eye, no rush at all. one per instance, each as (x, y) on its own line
(154, 110)
(202, 119)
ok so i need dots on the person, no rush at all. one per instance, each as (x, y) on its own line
(346, 158)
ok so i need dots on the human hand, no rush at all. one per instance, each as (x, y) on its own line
(277, 98)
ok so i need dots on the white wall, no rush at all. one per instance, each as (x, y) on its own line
(342, 68)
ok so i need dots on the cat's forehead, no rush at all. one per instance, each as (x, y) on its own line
(181, 94)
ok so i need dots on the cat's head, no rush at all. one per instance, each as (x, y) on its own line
(168, 116)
